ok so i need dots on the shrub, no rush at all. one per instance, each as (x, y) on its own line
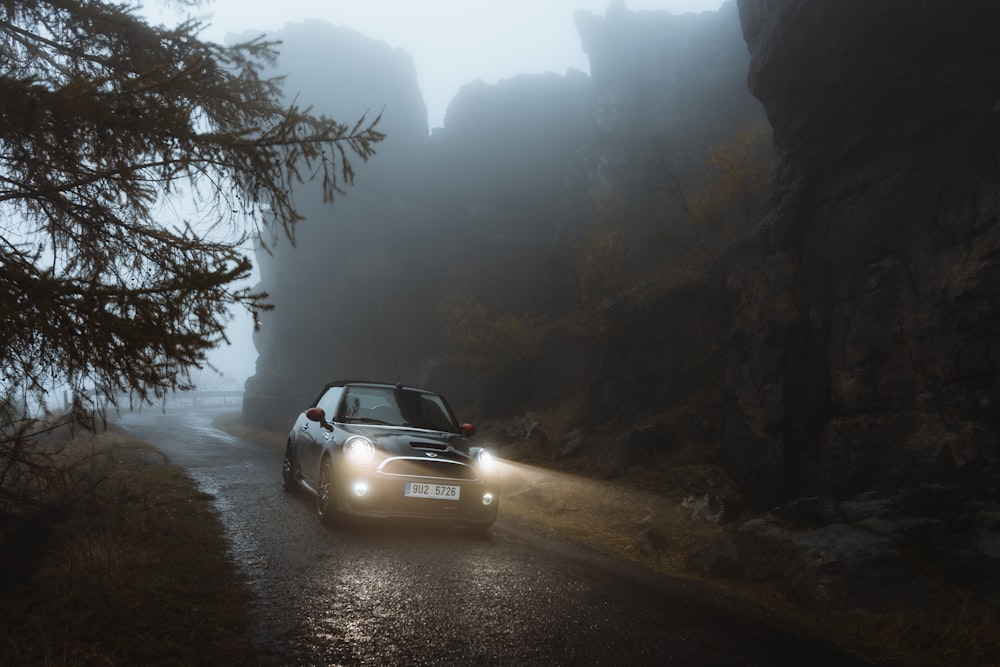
(603, 270)
(485, 339)
(728, 202)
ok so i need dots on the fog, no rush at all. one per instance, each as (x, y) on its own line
(452, 43)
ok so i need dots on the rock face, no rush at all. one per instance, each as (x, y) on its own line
(324, 293)
(873, 550)
(496, 201)
(866, 312)
(656, 73)
(665, 88)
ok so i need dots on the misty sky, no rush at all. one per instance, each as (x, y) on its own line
(452, 42)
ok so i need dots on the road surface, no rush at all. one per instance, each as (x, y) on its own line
(419, 594)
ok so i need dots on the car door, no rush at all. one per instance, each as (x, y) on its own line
(313, 437)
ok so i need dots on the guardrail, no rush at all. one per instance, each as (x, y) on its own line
(202, 398)
(194, 398)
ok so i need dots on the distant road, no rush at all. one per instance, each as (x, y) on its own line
(405, 594)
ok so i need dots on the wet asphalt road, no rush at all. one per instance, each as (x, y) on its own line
(405, 594)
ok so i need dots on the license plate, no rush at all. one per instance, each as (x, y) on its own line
(442, 491)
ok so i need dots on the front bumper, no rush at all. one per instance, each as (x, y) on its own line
(367, 492)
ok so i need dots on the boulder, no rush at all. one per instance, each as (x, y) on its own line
(874, 550)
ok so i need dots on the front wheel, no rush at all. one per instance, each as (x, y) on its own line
(326, 500)
(288, 481)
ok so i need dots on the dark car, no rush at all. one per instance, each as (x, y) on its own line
(384, 450)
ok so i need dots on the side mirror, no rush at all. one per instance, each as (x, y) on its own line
(319, 415)
(468, 430)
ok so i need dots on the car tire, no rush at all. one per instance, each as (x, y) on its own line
(326, 495)
(288, 481)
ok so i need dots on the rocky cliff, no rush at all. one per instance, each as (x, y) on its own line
(495, 202)
(846, 353)
(329, 290)
(866, 312)
(861, 348)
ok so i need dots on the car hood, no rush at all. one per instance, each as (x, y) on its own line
(414, 441)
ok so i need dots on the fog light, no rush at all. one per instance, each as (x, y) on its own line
(487, 499)
(360, 489)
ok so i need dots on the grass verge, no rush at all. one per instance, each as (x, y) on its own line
(134, 573)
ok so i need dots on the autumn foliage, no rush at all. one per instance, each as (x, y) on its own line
(603, 272)
(482, 338)
(601, 261)
(728, 201)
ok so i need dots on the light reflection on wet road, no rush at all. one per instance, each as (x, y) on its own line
(419, 594)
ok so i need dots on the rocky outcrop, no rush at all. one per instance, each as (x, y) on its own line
(323, 292)
(874, 550)
(866, 313)
(497, 201)
(665, 88)
(677, 76)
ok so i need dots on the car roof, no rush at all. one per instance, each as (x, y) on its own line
(371, 383)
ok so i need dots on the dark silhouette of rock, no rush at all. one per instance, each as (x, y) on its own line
(660, 73)
(329, 290)
(865, 348)
(861, 371)
(873, 550)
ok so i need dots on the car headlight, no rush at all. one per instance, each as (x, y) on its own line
(486, 460)
(359, 449)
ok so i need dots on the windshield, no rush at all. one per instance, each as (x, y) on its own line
(396, 407)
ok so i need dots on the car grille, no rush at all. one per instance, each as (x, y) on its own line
(416, 467)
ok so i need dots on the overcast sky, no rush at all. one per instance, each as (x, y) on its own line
(453, 42)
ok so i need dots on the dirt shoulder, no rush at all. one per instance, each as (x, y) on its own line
(650, 515)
